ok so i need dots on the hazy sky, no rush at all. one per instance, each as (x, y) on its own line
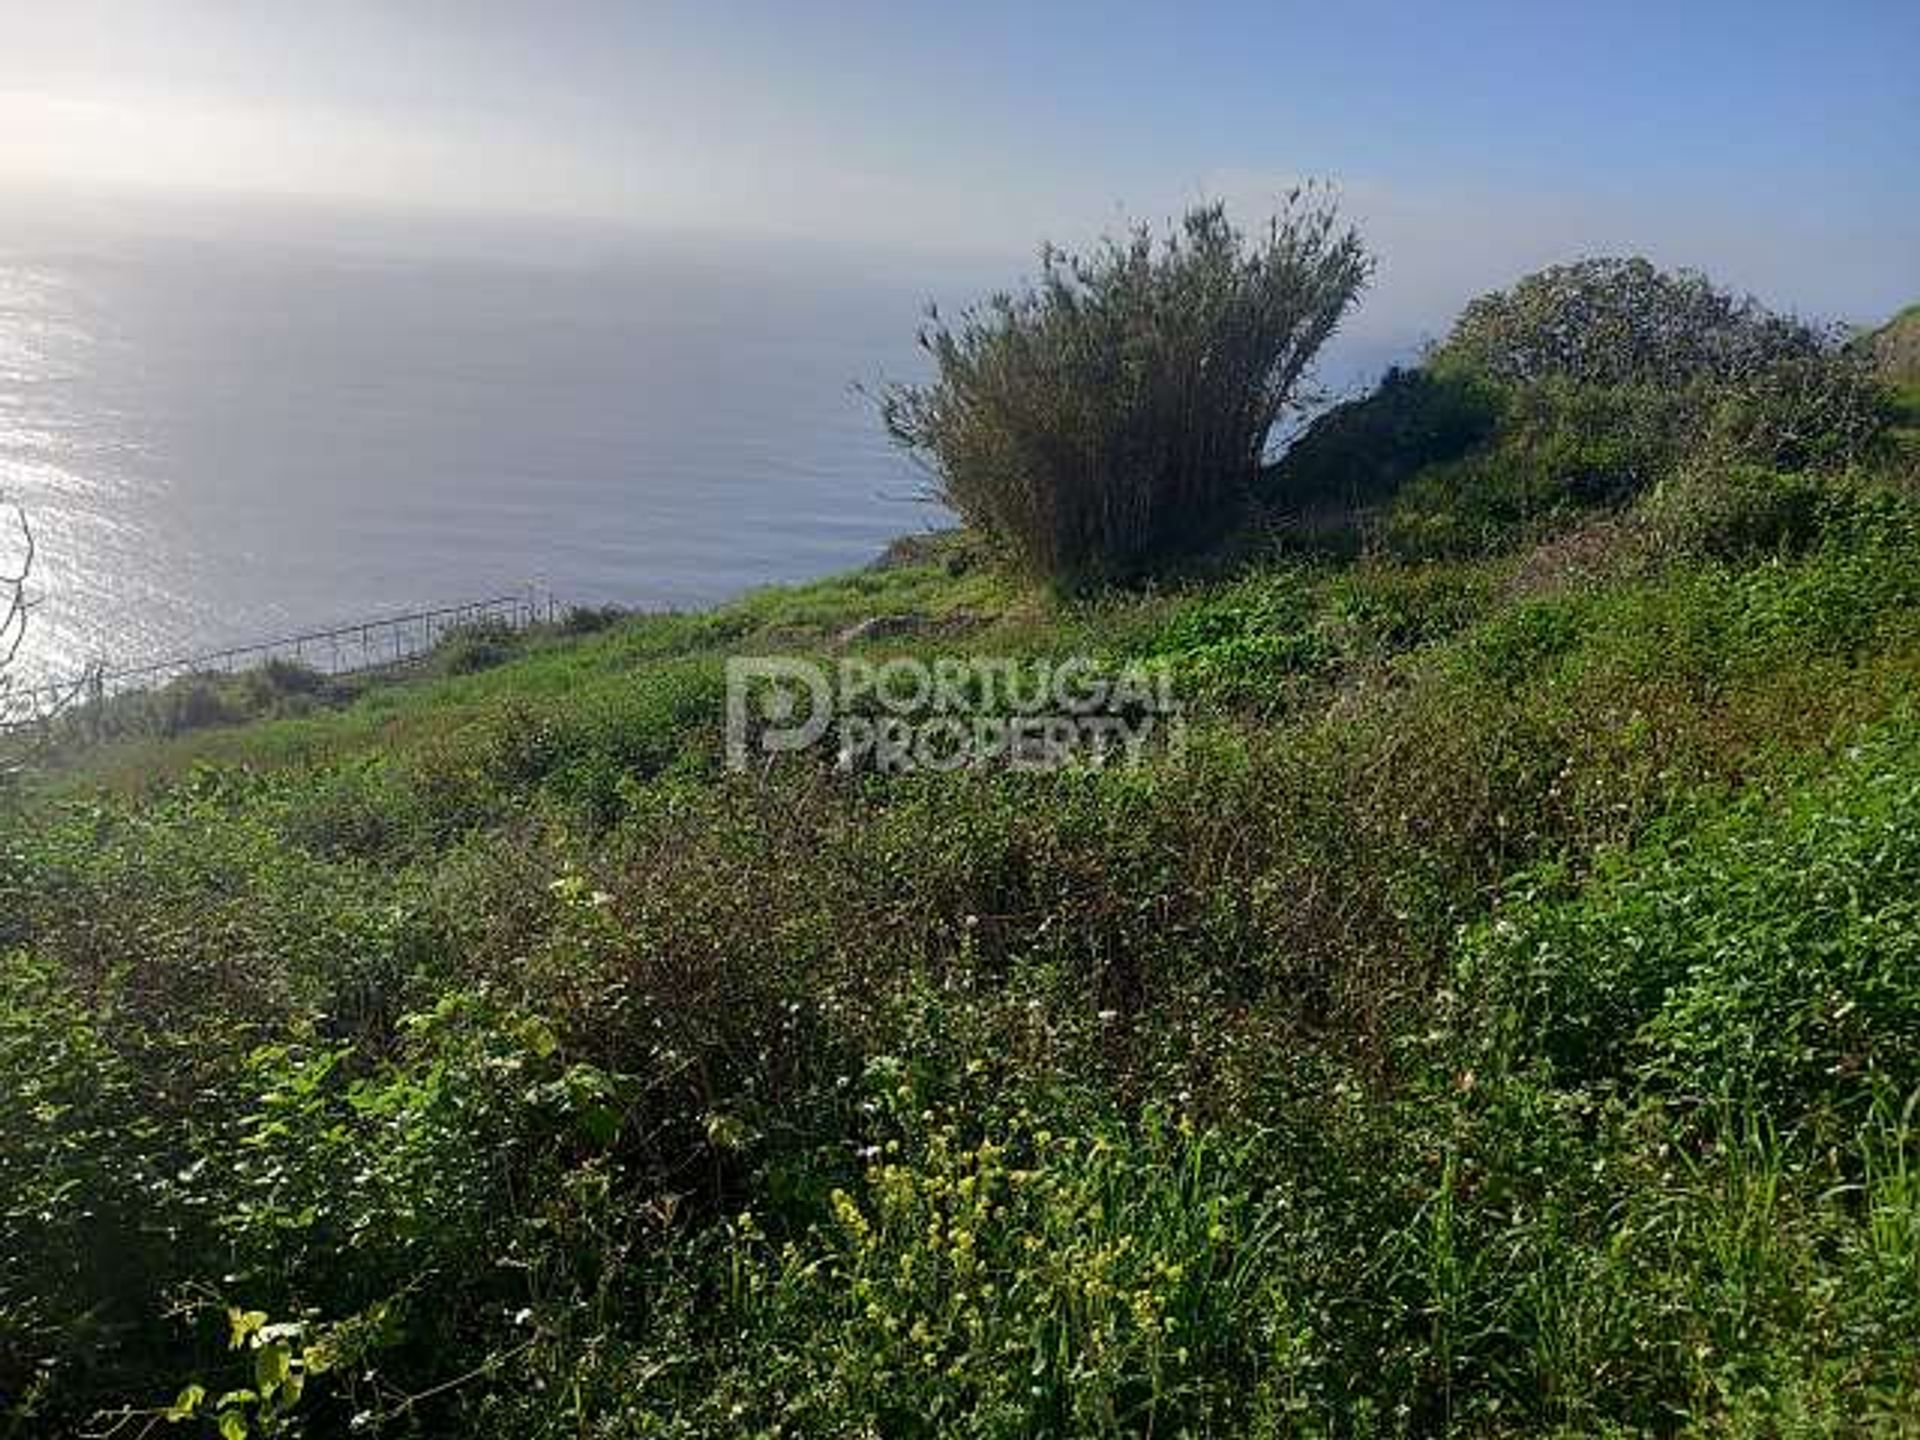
(1773, 145)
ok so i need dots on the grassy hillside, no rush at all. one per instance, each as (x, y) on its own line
(1896, 347)
(1503, 1018)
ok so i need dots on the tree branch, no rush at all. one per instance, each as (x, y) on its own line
(13, 595)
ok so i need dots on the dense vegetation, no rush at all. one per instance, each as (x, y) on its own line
(1504, 1019)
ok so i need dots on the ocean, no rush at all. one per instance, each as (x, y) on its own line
(226, 435)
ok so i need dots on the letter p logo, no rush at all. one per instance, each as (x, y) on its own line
(775, 703)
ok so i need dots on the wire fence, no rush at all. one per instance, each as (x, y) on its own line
(383, 643)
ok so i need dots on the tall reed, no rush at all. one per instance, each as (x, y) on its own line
(1119, 408)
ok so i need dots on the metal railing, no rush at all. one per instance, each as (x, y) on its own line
(382, 643)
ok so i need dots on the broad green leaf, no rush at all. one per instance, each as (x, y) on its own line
(243, 1323)
(270, 1367)
(185, 1403)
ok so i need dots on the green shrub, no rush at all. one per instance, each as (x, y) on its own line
(1362, 451)
(1264, 641)
(1477, 506)
(468, 649)
(1821, 412)
(1121, 407)
(1734, 510)
(280, 687)
(1247, 641)
(1560, 448)
(590, 619)
(288, 677)
(1621, 322)
(195, 703)
(1676, 365)
(87, 1160)
(1769, 959)
(1594, 444)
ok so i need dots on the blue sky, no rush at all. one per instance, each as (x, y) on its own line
(1772, 145)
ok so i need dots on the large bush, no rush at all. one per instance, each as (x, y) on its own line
(1582, 387)
(1120, 407)
(1750, 384)
(1611, 321)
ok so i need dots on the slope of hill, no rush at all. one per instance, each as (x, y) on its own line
(1499, 1017)
(1896, 348)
